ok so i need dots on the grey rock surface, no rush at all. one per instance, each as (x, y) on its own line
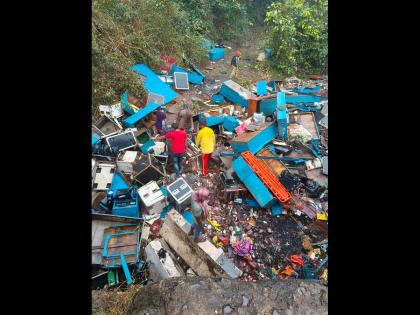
(217, 296)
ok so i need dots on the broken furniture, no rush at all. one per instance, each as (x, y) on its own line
(147, 169)
(105, 126)
(254, 141)
(126, 160)
(126, 203)
(204, 258)
(122, 141)
(103, 176)
(162, 262)
(121, 247)
(152, 198)
(180, 193)
(236, 93)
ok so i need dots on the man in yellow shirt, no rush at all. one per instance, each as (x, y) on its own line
(206, 140)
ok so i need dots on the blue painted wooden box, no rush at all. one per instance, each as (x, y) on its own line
(236, 93)
(268, 106)
(256, 187)
(230, 123)
(216, 54)
(217, 99)
(282, 124)
(256, 140)
(214, 120)
(302, 99)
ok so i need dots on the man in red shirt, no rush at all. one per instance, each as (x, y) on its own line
(178, 137)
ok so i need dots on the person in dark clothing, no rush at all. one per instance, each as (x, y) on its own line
(160, 120)
(185, 120)
(235, 64)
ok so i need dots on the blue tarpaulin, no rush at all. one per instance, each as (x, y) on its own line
(153, 84)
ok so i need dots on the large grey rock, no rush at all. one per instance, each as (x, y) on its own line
(265, 297)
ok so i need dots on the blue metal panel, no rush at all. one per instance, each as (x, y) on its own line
(145, 147)
(124, 104)
(252, 203)
(216, 54)
(272, 84)
(257, 188)
(276, 209)
(133, 119)
(118, 183)
(230, 123)
(258, 142)
(94, 140)
(126, 271)
(261, 88)
(154, 84)
(198, 71)
(308, 90)
(128, 211)
(214, 120)
(281, 99)
(233, 96)
(193, 78)
(303, 99)
(267, 107)
(282, 124)
(217, 99)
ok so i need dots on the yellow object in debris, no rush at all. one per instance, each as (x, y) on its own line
(317, 251)
(134, 107)
(274, 270)
(322, 216)
(214, 224)
(324, 275)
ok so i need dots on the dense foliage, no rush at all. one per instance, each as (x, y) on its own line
(126, 32)
(298, 35)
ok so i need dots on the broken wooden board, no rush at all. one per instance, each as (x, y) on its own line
(307, 120)
(203, 258)
(274, 166)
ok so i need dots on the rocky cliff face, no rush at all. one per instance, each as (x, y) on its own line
(196, 295)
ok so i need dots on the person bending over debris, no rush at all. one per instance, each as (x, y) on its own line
(185, 120)
(199, 211)
(179, 138)
(206, 141)
(235, 64)
(160, 118)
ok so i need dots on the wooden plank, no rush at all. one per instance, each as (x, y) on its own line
(307, 120)
(275, 167)
(246, 136)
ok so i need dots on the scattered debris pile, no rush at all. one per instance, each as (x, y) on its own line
(268, 181)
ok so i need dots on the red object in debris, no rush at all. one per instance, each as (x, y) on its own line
(155, 227)
(297, 260)
(167, 63)
(224, 240)
(242, 263)
(273, 184)
(253, 264)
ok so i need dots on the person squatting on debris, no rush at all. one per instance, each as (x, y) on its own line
(235, 64)
(200, 213)
(160, 120)
(185, 120)
(179, 138)
(206, 140)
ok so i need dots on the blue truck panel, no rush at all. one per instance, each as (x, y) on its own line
(133, 119)
(230, 123)
(268, 106)
(261, 88)
(214, 120)
(257, 142)
(257, 188)
(233, 96)
(282, 124)
(217, 99)
(281, 100)
(302, 99)
(154, 84)
(216, 54)
(193, 78)
(308, 90)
